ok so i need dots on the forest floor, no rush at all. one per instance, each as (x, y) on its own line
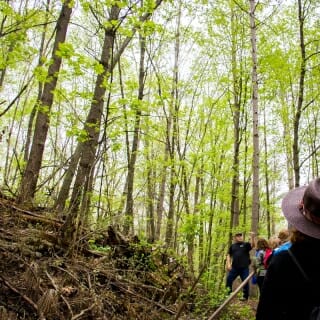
(239, 310)
(107, 277)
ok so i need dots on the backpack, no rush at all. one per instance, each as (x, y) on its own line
(267, 257)
(315, 312)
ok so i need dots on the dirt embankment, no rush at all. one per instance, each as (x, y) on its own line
(107, 277)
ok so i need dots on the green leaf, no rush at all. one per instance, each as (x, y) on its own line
(98, 68)
(65, 50)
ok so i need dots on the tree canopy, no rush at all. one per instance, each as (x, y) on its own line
(179, 121)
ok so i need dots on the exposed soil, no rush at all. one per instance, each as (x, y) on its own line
(106, 277)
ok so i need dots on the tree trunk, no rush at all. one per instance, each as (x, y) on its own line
(92, 127)
(213, 203)
(67, 181)
(162, 189)
(40, 87)
(125, 188)
(30, 177)
(246, 176)
(266, 173)
(297, 116)
(255, 118)
(172, 187)
(129, 215)
(173, 117)
(151, 231)
(235, 109)
(201, 223)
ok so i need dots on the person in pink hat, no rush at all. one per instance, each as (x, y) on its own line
(291, 286)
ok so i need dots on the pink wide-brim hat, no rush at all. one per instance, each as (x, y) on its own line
(291, 209)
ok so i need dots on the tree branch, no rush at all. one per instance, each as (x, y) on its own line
(309, 156)
(14, 100)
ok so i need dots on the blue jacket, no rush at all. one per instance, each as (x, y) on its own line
(285, 246)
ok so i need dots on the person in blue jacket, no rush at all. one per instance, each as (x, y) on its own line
(285, 243)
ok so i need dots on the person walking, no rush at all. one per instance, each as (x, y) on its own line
(238, 261)
(291, 285)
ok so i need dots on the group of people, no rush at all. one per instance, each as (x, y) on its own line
(287, 267)
(265, 250)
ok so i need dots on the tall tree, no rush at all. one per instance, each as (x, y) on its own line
(87, 149)
(40, 85)
(137, 106)
(299, 107)
(255, 119)
(80, 198)
(172, 134)
(239, 84)
(31, 173)
(266, 173)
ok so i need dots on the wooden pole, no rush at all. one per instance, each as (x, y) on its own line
(231, 296)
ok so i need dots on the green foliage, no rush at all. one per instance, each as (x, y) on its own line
(85, 5)
(65, 50)
(148, 28)
(236, 311)
(41, 73)
(190, 226)
(199, 107)
(95, 247)
(6, 9)
(142, 258)
(44, 109)
(71, 4)
(98, 68)
(81, 134)
(111, 24)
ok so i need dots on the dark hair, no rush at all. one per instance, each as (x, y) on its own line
(262, 244)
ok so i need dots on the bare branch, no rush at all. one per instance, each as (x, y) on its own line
(309, 156)
(13, 101)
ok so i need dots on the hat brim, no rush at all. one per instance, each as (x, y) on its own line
(290, 209)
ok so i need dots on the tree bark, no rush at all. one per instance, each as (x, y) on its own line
(151, 230)
(67, 181)
(92, 127)
(129, 215)
(173, 120)
(266, 173)
(88, 147)
(255, 118)
(40, 87)
(235, 109)
(30, 177)
(161, 194)
(297, 116)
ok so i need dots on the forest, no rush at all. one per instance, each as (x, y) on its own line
(169, 124)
